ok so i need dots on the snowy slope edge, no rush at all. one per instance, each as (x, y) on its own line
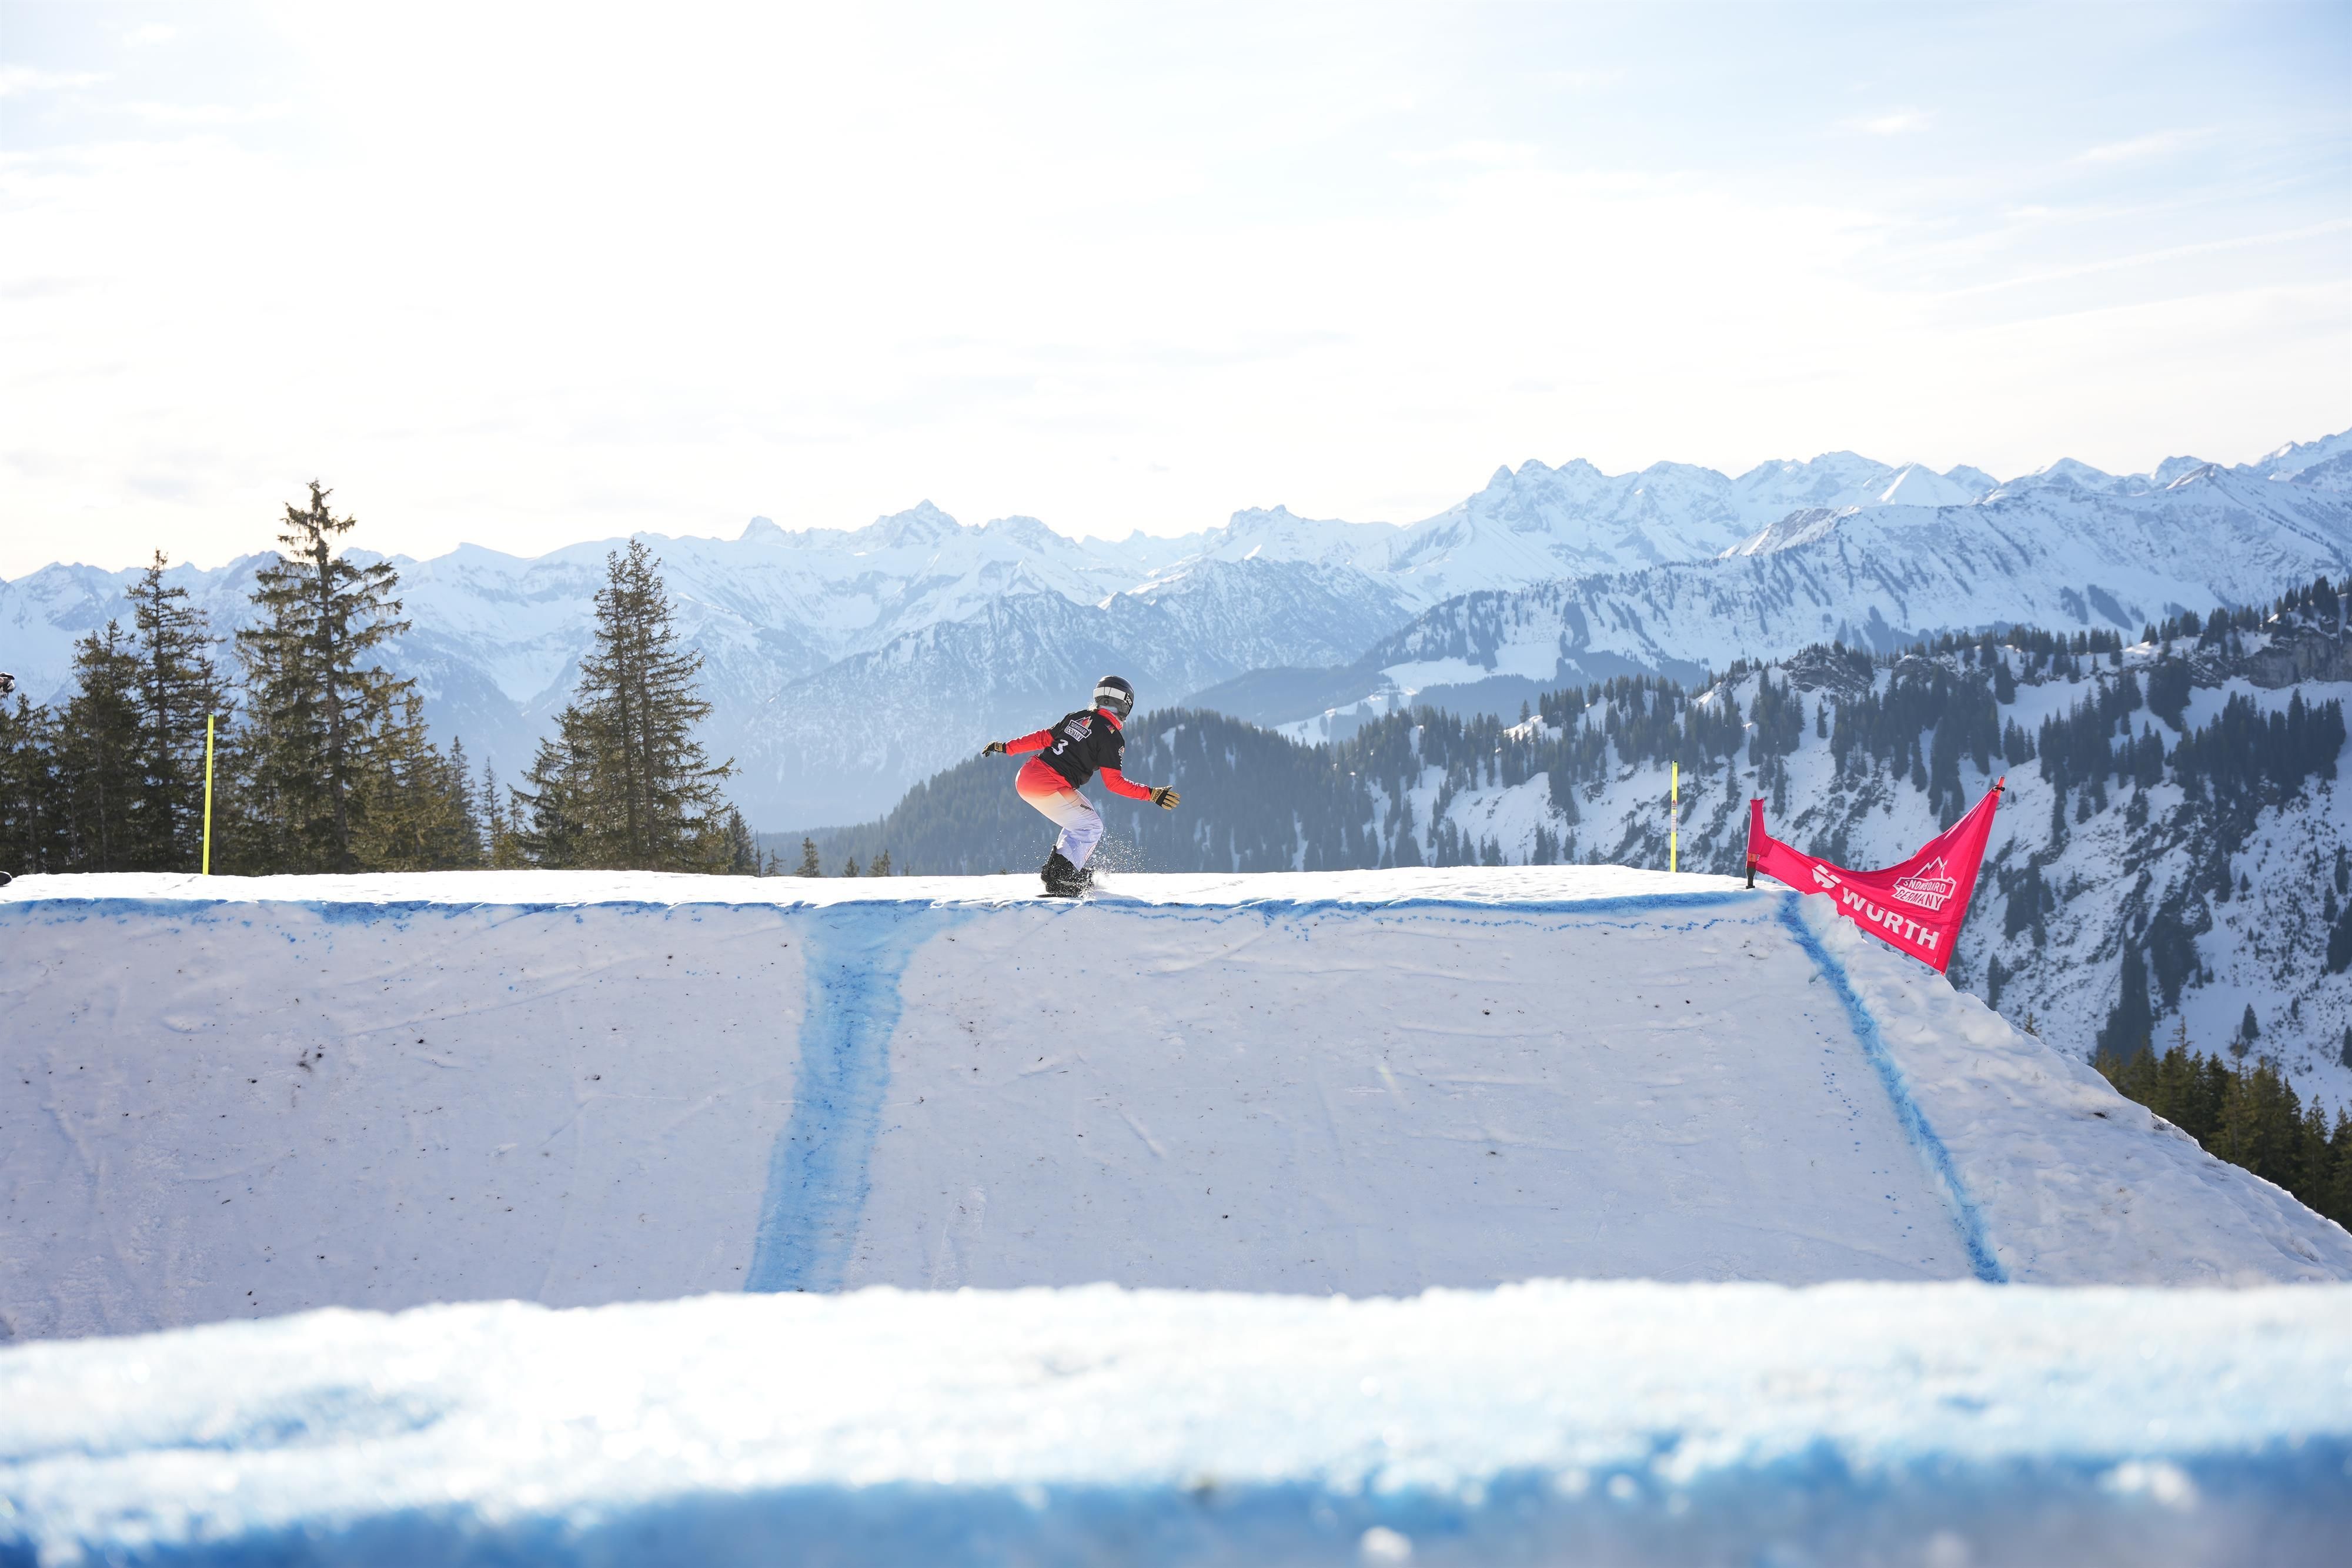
(2060, 1166)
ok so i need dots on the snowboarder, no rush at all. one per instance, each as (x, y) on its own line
(1074, 749)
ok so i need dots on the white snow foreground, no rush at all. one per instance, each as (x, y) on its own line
(230, 1099)
(1588, 1423)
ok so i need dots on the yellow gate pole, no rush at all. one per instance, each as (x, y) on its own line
(1673, 814)
(208, 794)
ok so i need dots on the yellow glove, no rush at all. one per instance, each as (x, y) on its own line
(1163, 796)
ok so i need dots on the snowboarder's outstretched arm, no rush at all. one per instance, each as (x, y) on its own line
(1035, 740)
(1118, 783)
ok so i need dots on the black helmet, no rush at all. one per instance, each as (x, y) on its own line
(1113, 693)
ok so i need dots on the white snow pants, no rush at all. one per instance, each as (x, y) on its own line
(1081, 825)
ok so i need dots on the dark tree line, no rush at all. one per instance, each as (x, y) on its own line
(2249, 1115)
(2247, 758)
(2320, 601)
(322, 761)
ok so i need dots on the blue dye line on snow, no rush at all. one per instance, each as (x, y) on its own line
(1967, 1219)
(854, 956)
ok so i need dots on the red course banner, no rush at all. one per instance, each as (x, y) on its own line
(1917, 906)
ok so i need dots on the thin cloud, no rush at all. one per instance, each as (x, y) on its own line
(1900, 122)
(1478, 154)
(18, 80)
(2154, 145)
(1583, 80)
(2146, 258)
(207, 113)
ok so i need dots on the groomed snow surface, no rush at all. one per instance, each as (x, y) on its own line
(242, 1100)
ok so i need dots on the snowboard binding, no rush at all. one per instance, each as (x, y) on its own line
(1064, 880)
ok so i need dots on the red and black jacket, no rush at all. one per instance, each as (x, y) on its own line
(1079, 745)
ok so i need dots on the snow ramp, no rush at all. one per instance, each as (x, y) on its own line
(227, 1098)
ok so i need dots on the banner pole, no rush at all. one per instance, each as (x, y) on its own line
(1673, 814)
(208, 794)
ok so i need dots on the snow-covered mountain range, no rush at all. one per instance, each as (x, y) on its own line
(2048, 553)
(845, 664)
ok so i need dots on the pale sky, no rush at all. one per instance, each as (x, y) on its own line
(524, 275)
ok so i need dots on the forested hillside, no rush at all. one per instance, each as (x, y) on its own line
(2170, 855)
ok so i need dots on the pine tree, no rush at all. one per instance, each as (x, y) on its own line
(2337, 1199)
(881, 865)
(459, 844)
(2129, 1024)
(419, 809)
(497, 830)
(2339, 945)
(30, 828)
(179, 689)
(809, 867)
(2137, 1077)
(2261, 1126)
(2023, 910)
(2315, 1163)
(101, 774)
(743, 852)
(548, 827)
(849, 866)
(314, 711)
(632, 784)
